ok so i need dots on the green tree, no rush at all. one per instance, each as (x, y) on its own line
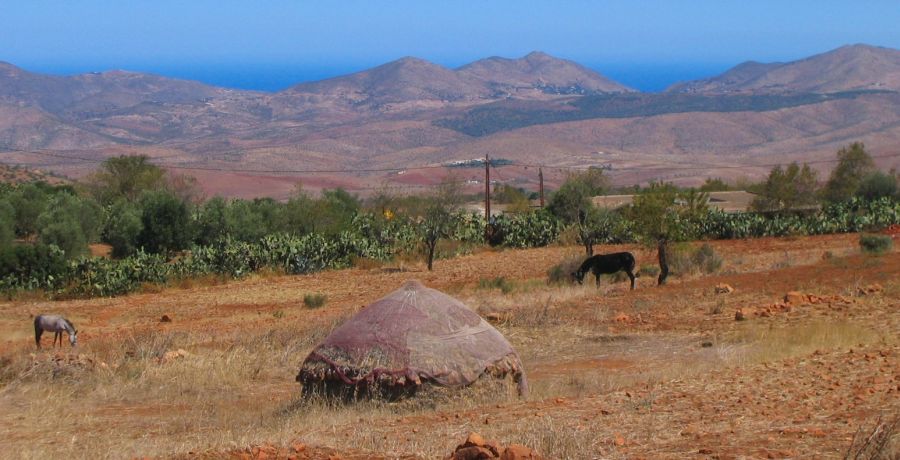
(515, 199)
(125, 177)
(166, 223)
(573, 199)
(854, 164)
(70, 223)
(212, 221)
(714, 185)
(787, 189)
(122, 228)
(7, 223)
(439, 209)
(877, 185)
(29, 201)
(334, 211)
(661, 214)
(597, 224)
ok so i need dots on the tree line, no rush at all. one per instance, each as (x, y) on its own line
(140, 210)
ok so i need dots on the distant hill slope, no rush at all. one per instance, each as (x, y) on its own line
(539, 71)
(18, 175)
(411, 79)
(849, 68)
(536, 109)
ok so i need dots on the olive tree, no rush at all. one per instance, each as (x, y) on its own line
(125, 176)
(854, 164)
(661, 214)
(437, 213)
(787, 189)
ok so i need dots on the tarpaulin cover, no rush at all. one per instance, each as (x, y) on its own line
(413, 335)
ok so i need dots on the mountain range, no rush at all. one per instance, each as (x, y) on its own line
(536, 109)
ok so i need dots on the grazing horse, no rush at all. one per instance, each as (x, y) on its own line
(57, 324)
(607, 263)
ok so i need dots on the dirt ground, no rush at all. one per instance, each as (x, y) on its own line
(659, 372)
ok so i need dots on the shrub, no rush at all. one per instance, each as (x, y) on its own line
(648, 270)
(499, 282)
(561, 273)
(875, 244)
(706, 259)
(123, 225)
(29, 267)
(314, 300)
(680, 260)
(166, 223)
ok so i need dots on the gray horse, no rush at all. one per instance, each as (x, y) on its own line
(57, 324)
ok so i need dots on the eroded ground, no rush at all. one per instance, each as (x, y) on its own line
(661, 372)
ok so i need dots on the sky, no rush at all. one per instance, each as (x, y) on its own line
(271, 44)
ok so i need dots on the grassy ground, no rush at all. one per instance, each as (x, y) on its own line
(660, 372)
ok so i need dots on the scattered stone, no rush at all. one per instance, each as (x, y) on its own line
(474, 439)
(723, 288)
(706, 344)
(740, 315)
(472, 453)
(165, 319)
(619, 441)
(476, 448)
(497, 317)
(795, 298)
(622, 318)
(870, 289)
(519, 452)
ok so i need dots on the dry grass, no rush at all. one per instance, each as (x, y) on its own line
(122, 397)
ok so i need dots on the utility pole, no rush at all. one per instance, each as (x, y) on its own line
(487, 198)
(541, 179)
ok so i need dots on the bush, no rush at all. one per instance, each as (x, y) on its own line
(499, 282)
(314, 300)
(29, 267)
(875, 244)
(706, 259)
(123, 225)
(561, 273)
(648, 270)
(166, 223)
(684, 261)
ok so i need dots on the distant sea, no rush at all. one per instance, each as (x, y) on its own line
(648, 77)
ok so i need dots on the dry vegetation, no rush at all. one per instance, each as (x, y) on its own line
(659, 372)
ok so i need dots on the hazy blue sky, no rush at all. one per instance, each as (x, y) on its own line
(271, 44)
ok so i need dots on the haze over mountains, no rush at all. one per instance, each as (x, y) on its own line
(410, 112)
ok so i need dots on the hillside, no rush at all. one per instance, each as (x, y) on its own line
(511, 77)
(849, 68)
(411, 112)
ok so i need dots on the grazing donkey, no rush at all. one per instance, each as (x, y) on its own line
(57, 324)
(607, 263)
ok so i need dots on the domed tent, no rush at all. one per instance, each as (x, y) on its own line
(413, 336)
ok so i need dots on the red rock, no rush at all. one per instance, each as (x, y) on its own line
(519, 452)
(473, 453)
(723, 288)
(619, 441)
(795, 298)
(493, 447)
(474, 439)
(740, 315)
(705, 451)
(165, 319)
(622, 318)
(298, 447)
